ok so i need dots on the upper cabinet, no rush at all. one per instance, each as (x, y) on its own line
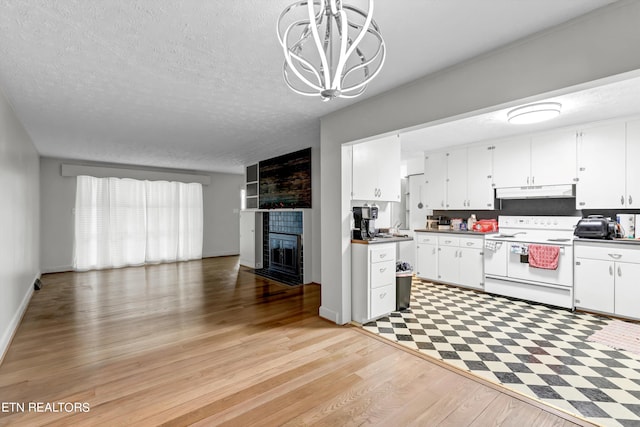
(376, 170)
(435, 176)
(601, 167)
(545, 159)
(633, 158)
(469, 178)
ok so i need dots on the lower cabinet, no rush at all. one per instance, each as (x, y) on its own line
(450, 258)
(373, 281)
(606, 278)
(426, 256)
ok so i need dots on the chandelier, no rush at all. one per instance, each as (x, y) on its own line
(331, 50)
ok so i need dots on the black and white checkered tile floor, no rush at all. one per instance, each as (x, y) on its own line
(536, 350)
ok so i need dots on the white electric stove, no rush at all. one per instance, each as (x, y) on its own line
(506, 262)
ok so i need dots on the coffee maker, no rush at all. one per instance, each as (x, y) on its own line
(364, 222)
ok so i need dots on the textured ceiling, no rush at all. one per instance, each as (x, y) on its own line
(197, 85)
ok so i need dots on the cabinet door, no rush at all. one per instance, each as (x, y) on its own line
(416, 204)
(383, 301)
(471, 272)
(627, 292)
(388, 168)
(553, 158)
(435, 174)
(448, 264)
(427, 261)
(601, 167)
(512, 162)
(457, 179)
(480, 194)
(594, 285)
(633, 159)
(364, 183)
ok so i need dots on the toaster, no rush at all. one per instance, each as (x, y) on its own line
(596, 227)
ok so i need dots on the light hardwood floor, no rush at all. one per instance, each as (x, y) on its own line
(208, 343)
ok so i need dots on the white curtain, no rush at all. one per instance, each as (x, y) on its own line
(122, 222)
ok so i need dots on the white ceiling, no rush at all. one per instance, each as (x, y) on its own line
(197, 85)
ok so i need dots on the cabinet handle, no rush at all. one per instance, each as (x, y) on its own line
(383, 269)
(619, 271)
(615, 256)
(533, 180)
(469, 244)
(527, 180)
(610, 270)
(447, 241)
(622, 200)
(382, 295)
(383, 255)
(442, 204)
(630, 200)
(460, 255)
(433, 252)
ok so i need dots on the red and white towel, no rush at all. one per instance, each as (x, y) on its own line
(544, 256)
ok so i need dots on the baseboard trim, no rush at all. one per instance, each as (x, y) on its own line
(58, 269)
(8, 335)
(217, 254)
(328, 314)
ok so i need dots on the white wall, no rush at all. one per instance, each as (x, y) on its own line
(596, 46)
(19, 219)
(221, 203)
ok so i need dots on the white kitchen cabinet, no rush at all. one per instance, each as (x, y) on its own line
(471, 262)
(467, 179)
(376, 170)
(448, 264)
(435, 175)
(553, 158)
(416, 202)
(541, 159)
(373, 281)
(601, 167)
(456, 179)
(511, 162)
(450, 258)
(251, 239)
(633, 159)
(480, 194)
(606, 278)
(627, 292)
(426, 256)
(594, 284)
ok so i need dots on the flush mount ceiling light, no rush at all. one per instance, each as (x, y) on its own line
(331, 49)
(534, 113)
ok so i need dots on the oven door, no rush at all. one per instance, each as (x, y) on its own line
(518, 267)
(495, 257)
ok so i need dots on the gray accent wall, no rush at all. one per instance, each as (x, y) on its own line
(19, 221)
(582, 53)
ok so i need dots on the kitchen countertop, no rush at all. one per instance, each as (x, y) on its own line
(615, 241)
(382, 240)
(474, 233)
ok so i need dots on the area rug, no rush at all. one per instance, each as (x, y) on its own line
(619, 335)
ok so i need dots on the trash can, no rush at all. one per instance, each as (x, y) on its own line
(404, 274)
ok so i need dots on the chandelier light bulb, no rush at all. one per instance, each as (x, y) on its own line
(331, 49)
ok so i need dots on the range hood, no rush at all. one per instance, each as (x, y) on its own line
(537, 192)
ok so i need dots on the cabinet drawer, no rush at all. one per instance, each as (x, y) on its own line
(383, 253)
(383, 274)
(428, 238)
(608, 252)
(448, 241)
(473, 243)
(383, 301)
